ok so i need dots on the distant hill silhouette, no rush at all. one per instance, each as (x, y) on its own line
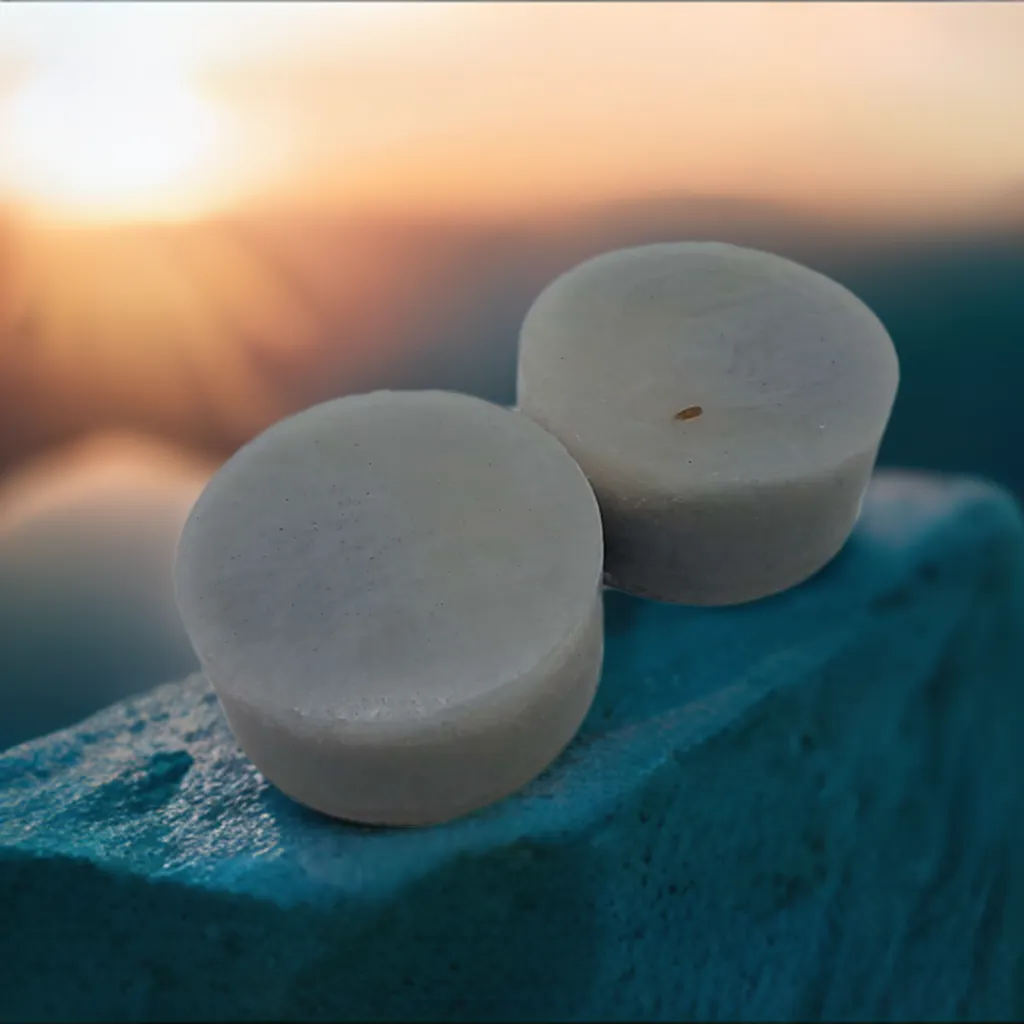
(252, 317)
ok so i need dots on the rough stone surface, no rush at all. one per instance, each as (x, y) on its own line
(809, 807)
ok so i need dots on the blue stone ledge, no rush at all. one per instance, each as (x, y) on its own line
(808, 807)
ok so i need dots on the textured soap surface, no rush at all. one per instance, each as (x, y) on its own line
(808, 807)
(780, 371)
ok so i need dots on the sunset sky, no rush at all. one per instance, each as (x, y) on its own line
(213, 215)
(894, 110)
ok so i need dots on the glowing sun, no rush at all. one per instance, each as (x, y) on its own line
(111, 137)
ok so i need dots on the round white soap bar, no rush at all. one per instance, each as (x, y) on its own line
(397, 599)
(727, 406)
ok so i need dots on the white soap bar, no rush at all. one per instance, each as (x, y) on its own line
(726, 404)
(397, 599)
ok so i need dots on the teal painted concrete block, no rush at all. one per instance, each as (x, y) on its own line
(807, 807)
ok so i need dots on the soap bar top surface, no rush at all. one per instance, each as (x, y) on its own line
(386, 559)
(699, 363)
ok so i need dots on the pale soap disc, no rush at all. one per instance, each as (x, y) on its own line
(397, 599)
(726, 404)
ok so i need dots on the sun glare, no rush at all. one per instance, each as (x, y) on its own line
(107, 120)
(102, 135)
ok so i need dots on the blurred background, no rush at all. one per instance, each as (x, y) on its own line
(213, 215)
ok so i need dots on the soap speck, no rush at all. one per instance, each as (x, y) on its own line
(691, 412)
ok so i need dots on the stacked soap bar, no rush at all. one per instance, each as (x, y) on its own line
(810, 807)
(726, 405)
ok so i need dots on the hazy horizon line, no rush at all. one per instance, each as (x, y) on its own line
(1003, 212)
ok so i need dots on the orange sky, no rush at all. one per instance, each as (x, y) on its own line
(885, 108)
